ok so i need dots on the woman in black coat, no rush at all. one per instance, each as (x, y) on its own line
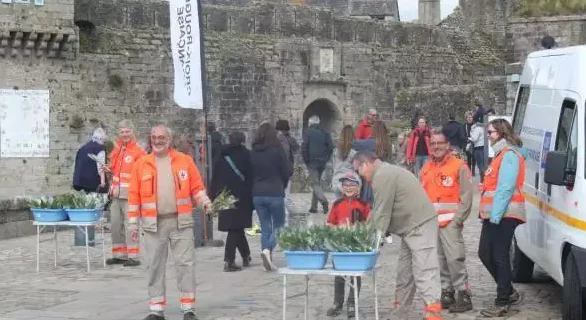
(232, 170)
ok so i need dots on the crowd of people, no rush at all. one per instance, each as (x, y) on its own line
(373, 179)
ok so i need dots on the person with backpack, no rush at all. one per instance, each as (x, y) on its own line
(291, 147)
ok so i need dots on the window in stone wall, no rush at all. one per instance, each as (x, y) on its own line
(87, 41)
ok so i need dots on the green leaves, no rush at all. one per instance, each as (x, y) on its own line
(70, 200)
(360, 237)
(224, 201)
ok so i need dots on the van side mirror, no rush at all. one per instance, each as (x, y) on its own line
(555, 168)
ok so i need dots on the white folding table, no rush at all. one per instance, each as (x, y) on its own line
(82, 226)
(329, 271)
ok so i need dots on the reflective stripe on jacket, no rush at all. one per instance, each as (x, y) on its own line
(516, 206)
(142, 195)
(122, 159)
(441, 182)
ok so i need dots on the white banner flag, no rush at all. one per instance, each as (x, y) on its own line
(187, 53)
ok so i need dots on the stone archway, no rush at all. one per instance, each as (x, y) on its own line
(328, 113)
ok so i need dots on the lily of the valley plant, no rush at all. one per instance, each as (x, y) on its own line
(224, 201)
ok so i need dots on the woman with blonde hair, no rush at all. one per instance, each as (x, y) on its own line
(343, 159)
(502, 209)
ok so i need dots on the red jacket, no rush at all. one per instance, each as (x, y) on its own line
(341, 212)
(414, 139)
(364, 130)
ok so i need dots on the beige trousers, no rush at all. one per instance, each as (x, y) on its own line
(122, 244)
(418, 266)
(452, 258)
(157, 251)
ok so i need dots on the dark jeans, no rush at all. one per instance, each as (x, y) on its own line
(493, 251)
(271, 214)
(480, 160)
(471, 162)
(339, 290)
(236, 239)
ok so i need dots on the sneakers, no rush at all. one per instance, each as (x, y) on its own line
(463, 303)
(515, 298)
(113, 261)
(334, 311)
(447, 299)
(495, 311)
(190, 316)
(132, 263)
(231, 267)
(313, 210)
(153, 316)
(267, 262)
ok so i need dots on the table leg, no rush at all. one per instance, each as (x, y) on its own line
(87, 248)
(56, 245)
(103, 246)
(355, 280)
(284, 297)
(375, 295)
(38, 244)
(306, 294)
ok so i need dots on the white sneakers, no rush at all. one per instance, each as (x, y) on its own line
(266, 260)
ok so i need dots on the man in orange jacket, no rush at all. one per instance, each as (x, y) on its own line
(448, 184)
(164, 187)
(122, 158)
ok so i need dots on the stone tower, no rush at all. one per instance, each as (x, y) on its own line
(429, 12)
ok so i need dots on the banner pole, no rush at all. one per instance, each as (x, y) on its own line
(204, 124)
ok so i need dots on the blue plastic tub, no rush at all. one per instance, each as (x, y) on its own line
(83, 215)
(49, 215)
(306, 260)
(354, 261)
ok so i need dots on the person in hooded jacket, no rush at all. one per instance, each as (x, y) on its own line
(232, 171)
(291, 147)
(456, 134)
(87, 175)
(271, 172)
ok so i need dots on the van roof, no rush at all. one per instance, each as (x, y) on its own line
(581, 50)
(556, 69)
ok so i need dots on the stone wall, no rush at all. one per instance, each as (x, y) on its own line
(525, 34)
(264, 62)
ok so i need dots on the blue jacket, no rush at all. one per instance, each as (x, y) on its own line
(86, 174)
(507, 182)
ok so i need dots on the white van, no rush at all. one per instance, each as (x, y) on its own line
(549, 115)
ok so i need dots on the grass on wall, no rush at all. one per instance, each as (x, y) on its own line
(541, 8)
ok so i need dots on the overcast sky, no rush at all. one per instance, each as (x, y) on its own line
(408, 8)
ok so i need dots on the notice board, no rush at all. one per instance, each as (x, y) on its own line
(24, 123)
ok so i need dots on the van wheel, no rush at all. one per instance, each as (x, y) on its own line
(573, 304)
(521, 265)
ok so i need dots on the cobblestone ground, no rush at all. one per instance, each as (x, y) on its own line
(117, 293)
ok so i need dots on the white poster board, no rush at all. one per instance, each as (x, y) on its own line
(186, 49)
(24, 123)
(490, 118)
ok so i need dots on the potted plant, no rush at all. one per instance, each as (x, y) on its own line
(304, 248)
(353, 247)
(82, 207)
(47, 209)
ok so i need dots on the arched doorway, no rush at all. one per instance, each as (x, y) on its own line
(326, 111)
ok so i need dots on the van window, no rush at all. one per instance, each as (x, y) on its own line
(519, 115)
(567, 135)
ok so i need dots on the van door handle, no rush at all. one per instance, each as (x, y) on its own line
(536, 182)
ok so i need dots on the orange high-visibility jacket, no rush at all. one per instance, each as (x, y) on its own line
(441, 182)
(516, 208)
(142, 195)
(122, 159)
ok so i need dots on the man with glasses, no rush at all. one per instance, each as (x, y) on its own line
(448, 184)
(164, 187)
(402, 208)
(364, 130)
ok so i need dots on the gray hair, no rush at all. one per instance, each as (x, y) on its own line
(99, 135)
(169, 131)
(313, 120)
(126, 124)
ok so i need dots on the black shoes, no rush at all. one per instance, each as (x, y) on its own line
(131, 263)
(153, 316)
